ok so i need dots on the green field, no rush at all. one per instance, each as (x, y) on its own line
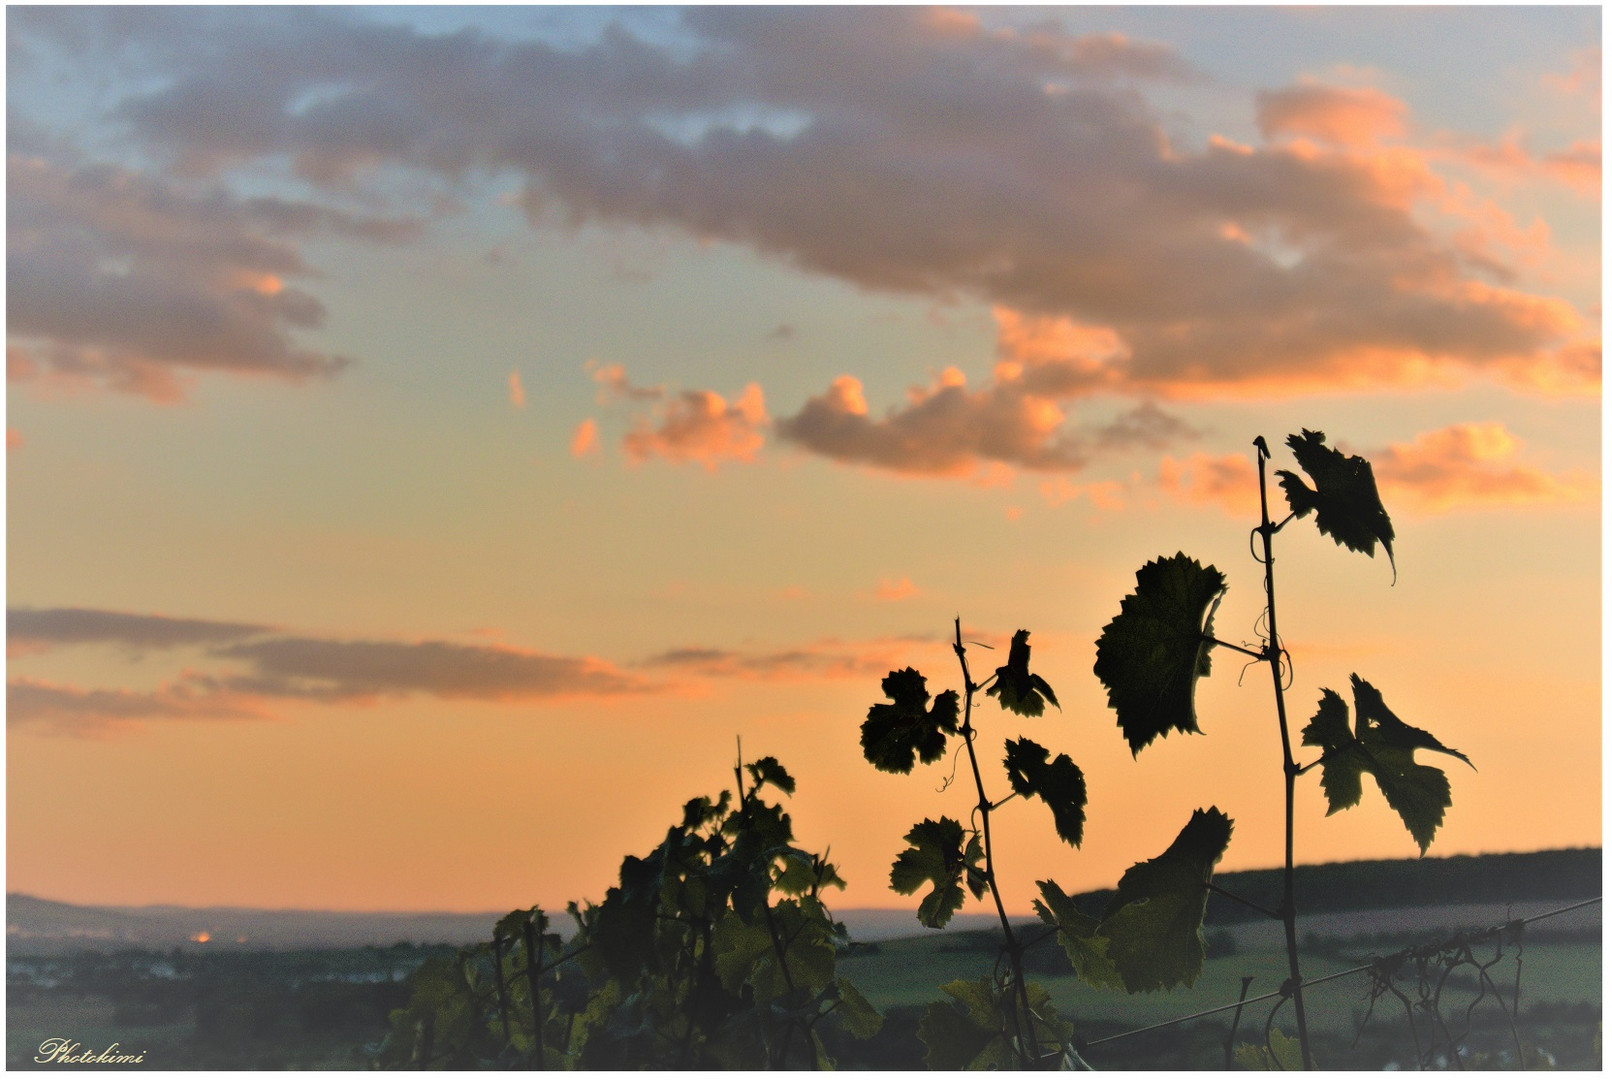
(1561, 986)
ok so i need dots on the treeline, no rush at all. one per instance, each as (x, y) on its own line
(1567, 874)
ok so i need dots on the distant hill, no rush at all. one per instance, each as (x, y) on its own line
(1567, 874)
(44, 927)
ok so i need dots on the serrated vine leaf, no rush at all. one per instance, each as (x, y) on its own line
(1016, 688)
(1154, 922)
(1058, 783)
(937, 857)
(1152, 654)
(1345, 500)
(1381, 745)
(895, 734)
(1077, 933)
(768, 771)
(858, 1015)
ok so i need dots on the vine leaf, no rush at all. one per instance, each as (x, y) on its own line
(768, 771)
(937, 856)
(1285, 1054)
(1347, 507)
(1058, 783)
(975, 1029)
(1382, 745)
(1154, 922)
(894, 734)
(1152, 654)
(859, 1016)
(1077, 933)
(1015, 687)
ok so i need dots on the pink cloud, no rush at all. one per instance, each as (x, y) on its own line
(700, 425)
(1456, 467)
(893, 590)
(1230, 481)
(1472, 465)
(517, 392)
(1583, 77)
(1102, 494)
(1340, 115)
(60, 709)
(1577, 166)
(14, 439)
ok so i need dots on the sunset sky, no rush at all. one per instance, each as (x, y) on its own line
(434, 435)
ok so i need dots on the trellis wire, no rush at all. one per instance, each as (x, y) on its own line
(1284, 993)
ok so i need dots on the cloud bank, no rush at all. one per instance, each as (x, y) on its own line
(254, 670)
(899, 149)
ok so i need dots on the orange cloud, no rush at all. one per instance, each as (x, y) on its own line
(1018, 420)
(1472, 465)
(699, 425)
(1103, 494)
(895, 590)
(585, 440)
(1339, 115)
(1230, 481)
(517, 393)
(615, 386)
(13, 439)
(1578, 166)
(60, 709)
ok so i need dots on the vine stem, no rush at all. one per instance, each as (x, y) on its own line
(779, 948)
(984, 807)
(1290, 769)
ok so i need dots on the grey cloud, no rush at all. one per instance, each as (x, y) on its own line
(79, 626)
(829, 658)
(327, 669)
(120, 278)
(946, 433)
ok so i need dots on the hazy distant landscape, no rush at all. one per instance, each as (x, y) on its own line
(314, 989)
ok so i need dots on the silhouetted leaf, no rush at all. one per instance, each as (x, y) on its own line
(700, 811)
(1343, 759)
(1154, 922)
(1382, 745)
(937, 856)
(1015, 687)
(768, 771)
(1345, 500)
(1059, 784)
(1077, 933)
(894, 734)
(1152, 654)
